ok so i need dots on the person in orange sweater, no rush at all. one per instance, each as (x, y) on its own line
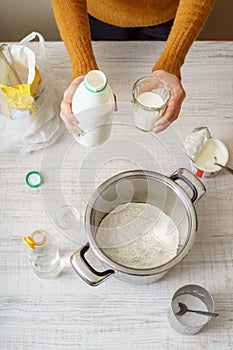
(177, 21)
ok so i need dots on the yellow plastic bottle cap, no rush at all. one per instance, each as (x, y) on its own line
(29, 242)
(37, 238)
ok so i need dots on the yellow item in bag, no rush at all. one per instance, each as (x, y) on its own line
(19, 96)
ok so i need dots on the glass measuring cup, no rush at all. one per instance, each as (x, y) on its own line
(150, 99)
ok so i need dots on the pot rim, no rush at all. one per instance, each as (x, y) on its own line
(155, 176)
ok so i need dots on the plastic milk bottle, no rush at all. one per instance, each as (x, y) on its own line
(93, 106)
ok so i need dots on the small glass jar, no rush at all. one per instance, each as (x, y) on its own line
(43, 254)
(150, 98)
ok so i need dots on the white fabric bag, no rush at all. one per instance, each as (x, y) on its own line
(26, 131)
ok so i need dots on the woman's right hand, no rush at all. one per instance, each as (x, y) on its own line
(66, 114)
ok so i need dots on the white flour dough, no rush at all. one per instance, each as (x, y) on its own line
(138, 235)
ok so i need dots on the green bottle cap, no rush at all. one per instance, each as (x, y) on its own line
(34, 179)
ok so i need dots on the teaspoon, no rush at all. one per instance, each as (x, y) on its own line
(184, 309)
(223, 166)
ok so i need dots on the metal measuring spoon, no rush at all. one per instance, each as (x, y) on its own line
(184, 309)
(9, 61)
(223, 166)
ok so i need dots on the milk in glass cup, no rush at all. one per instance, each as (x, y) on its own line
(150, 98)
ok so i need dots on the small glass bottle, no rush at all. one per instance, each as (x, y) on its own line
(43, 254)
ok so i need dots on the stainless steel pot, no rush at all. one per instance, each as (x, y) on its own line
(144, 187)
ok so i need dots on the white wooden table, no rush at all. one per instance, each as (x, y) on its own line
(66, 313)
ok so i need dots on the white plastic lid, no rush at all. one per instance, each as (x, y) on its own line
(95, 81)
(195, 141)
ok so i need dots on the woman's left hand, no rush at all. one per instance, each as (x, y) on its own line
(178, 94)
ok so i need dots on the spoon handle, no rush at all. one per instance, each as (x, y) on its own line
(205, 313)
(229, 170)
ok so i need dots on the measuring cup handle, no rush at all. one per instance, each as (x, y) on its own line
(85, 270)
(192, 181)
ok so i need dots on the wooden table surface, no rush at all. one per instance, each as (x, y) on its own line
(66, 313)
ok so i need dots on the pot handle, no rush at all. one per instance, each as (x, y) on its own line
(192, 181)
(85, 270)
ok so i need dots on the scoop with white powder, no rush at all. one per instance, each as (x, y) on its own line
(138, 235)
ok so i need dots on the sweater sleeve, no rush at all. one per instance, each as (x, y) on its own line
(72, 20)
(189, 20)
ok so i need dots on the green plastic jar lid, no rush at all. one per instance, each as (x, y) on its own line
(34, 179)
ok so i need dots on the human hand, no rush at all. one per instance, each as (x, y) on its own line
(178, 94)
(66, 113)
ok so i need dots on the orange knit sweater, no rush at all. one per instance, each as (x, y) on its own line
(72, 20)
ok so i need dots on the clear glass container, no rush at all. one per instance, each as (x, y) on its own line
(150, 99)
(43, 254)
(69, 223)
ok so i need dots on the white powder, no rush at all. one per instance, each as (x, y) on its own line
(138, 235)
(193, 303)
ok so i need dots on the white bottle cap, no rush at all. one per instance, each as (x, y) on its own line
(95, 81)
